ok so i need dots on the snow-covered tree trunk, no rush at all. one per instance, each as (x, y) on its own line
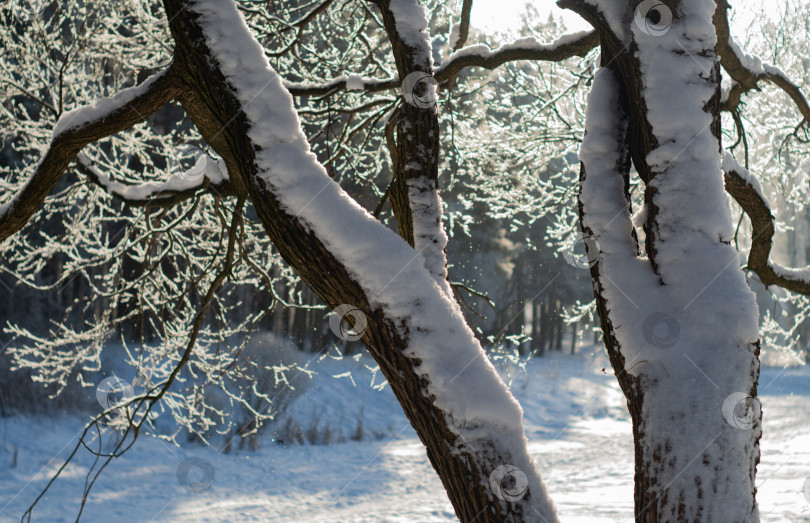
(680, 323)
(415, 330)
(414, 192)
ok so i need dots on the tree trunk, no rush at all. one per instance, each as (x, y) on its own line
(558, 324)
(693, 404)
(466, 461)
(573, 337)
(537, 328)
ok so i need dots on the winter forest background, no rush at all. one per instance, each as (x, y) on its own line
(280, 413)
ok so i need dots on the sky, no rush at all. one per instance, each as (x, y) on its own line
(504, 15)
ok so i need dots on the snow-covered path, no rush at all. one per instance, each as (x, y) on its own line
(579, 436)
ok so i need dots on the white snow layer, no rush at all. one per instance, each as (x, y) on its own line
(213, 169)
(355, 83)
(713, 356)
(428, 232)
(689, 331)
(528, 43)
(573, 414)
(392, 274)
(102, 107)
(802, 274)
(630, 286)
(412, 23)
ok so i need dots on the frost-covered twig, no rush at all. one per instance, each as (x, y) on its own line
(79, 128)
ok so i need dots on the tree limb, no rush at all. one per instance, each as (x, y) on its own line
(745, 77)
(72, 134)
(745, 191)
(160, 194)
(566, 46)
(464, 25)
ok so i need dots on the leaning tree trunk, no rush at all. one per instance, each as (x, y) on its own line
(686, 360)
(474, 454)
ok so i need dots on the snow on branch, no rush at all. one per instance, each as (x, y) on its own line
(627, 281)
(747, 70)
(454, 370)
(207, 173)
(744, 187)
(479, 55)
(380, 261)
(416, 162)
(77, 128)
(105, 107)
(411, 22)
(342, 83)
(529, 48)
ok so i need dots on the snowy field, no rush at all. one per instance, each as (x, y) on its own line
(575, 420)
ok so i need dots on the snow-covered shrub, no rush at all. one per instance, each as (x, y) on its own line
(288, 433)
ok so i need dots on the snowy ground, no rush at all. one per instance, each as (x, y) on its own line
(578, 430)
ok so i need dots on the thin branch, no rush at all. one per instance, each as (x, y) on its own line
(457, 285)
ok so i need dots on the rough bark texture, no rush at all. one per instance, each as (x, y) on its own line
(416, 150)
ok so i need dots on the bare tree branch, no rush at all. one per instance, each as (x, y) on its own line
(464, 25)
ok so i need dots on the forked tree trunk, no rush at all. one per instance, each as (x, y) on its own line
(692, 399)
